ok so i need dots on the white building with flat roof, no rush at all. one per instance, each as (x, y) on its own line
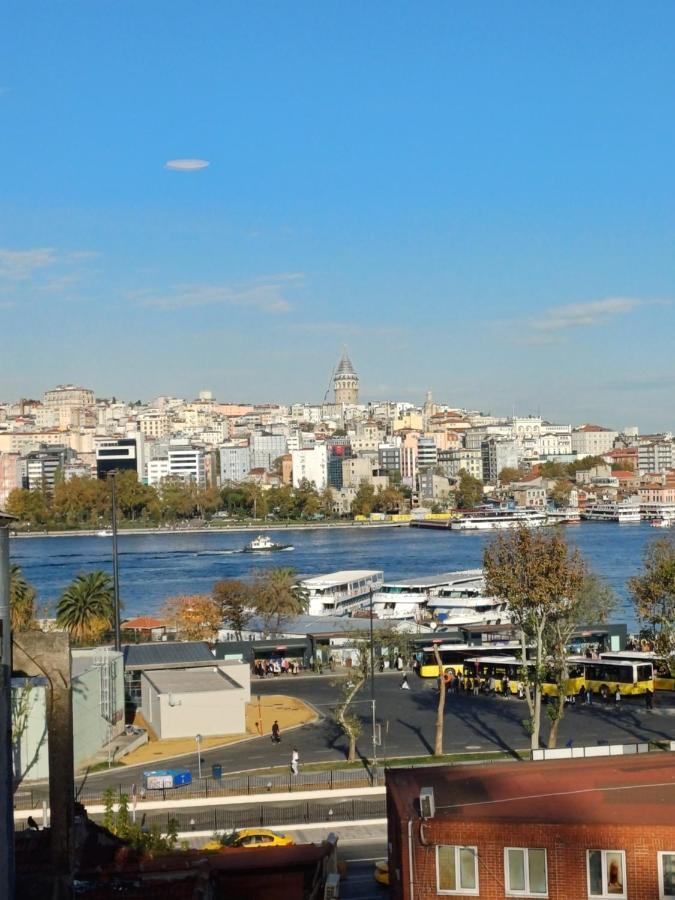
(311, 465)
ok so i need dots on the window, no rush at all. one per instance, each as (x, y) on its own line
(525, 872)
(666, 875)
(456, 870)
(606, 873)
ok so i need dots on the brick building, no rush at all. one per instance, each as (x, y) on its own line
(565, 830)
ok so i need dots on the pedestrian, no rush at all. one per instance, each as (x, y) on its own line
(331, 662)
(617, 695)
(399, 663)
(404, 683)
(582, 694)
(476, 686)
(505, 686)
(276, 735)
(521, 691)
(295, 762)
(649, 699)
(589, 695)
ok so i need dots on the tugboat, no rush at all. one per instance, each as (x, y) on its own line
(264, 544)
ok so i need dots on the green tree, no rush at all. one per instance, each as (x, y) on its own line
(134, 499)
(541, 581)
(364, 501)
(31, 507)
(583, 465)
(388, 500)
(277, 596)
(195, 616)
(150, 842)
(509, 474)
(234, 599)
(21, 600)
(85, 608)
(469, 491)
(560, 492)
(653, 594)
(326, 500)
(551, 469)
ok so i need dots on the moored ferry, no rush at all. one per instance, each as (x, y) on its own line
(408, 598)
(495, 519)
(341, 593)
(624, 512)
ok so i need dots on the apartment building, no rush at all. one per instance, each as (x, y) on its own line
(569, 829)
(311, 465)
(235, 462)
(186, 463)
(655, 456)
(592, 440)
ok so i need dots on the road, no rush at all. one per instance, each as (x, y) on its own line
(408, 726)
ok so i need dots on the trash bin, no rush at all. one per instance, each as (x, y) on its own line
(217, 771)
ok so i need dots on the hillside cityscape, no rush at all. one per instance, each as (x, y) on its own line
(203, 458)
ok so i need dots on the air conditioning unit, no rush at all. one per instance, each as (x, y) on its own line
(332, 889)
(427, 805)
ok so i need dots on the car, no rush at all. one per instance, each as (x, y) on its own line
(381, 873)
(256, 837)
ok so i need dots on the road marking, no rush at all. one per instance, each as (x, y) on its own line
(473, 747)
(364, 859)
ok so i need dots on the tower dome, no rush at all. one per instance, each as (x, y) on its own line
(346, 382)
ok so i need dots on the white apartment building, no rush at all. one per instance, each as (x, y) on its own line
(235, 463)
(311, 465)
(592, 440)
(655, 456)
(154, 424)
(555, 444)
(187, 463)
(526, 427)
(157, 470)
(265, 448)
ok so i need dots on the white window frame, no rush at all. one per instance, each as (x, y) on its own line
(660, 855)
(475, 892)
(527, 892)
(603, 859)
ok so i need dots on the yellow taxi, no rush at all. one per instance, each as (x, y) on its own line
(256, 837)
(381, 873)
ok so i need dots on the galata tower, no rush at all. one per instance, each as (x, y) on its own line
(346, 382)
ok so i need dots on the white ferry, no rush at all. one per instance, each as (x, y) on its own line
(408, 597)
(340, 593)
(464, 604)
(492, 519)
(625, 512)
(567, 515)
(658, 513)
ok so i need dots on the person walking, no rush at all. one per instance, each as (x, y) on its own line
(276, 733)
(399, 663)
(589, 695)
(617, 695)
(404, 683)
(295, 762)
(649, 699)
(505, 686)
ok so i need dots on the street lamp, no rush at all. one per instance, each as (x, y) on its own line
(372, 676)
(198, 739)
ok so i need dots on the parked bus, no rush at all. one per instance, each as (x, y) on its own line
(496, 667)
(603, 676)
(454, 655)
(664, 680)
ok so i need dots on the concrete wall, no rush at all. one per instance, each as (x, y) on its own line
(91, 728)
(239, 672)
(174, 715)
(30, 745)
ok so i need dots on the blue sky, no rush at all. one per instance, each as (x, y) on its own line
(476, 198)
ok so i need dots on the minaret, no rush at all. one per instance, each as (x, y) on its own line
(346, 382)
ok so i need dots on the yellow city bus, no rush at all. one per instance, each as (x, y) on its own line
(496, 667)
(453, 656)
(603, 676)
(664, 680)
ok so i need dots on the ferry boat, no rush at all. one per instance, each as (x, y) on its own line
(625, 512)
(408, 597)
(341, 593)
(464, 604)
(104, 533)
(661, 523)
(661, 515)
(568, 515)
(264, 544)
(492, 519)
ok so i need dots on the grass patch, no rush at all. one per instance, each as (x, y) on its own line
(103, 766)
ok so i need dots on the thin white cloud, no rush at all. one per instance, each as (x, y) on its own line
(18, 265)
(579, 315)
(186, 165)
(266, 294)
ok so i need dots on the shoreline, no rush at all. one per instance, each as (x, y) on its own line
(224, 529)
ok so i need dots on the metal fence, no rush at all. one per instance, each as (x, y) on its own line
(268, 815)
(233, 786)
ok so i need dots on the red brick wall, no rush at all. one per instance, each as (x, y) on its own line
(566, 848)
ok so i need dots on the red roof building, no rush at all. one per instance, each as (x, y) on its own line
(565, 830)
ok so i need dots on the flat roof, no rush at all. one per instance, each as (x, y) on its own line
(639, 790)
(332, 579)
(189, 681)
(441, 578)
(165, 653)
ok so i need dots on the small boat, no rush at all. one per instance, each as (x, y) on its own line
(104, 534)
(661, 523)
(264, 544)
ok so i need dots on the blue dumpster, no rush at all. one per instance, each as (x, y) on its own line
(217, 771)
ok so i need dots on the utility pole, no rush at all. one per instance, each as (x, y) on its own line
(7, 883)
(372, 677)
(116, 577)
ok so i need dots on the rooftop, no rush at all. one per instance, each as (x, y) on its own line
(190, 681)
(333, 579)
(136, 656)
(345, 366)
(639, 789)
(142, 622)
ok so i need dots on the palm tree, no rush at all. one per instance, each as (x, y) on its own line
(277, 596)
(85, 608)
(21, 600)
